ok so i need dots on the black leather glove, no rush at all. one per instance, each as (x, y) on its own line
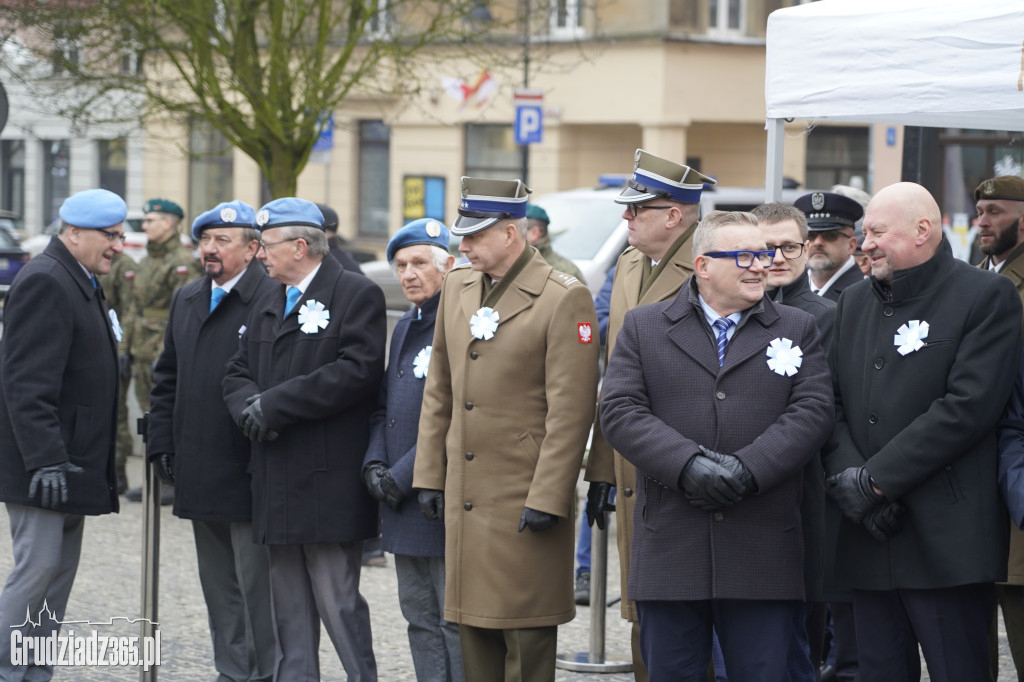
(253, 423)
(432, 504)
(707, 485)
(885, 520)
(52, 480)
(381, 484)
(124, 366)
(597, 503)
(852, 491)
(740, 477)
(163, 462)
(536, 520)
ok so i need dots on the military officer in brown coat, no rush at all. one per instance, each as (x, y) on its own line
(662, 207)
(506, 411)
(1000, 204)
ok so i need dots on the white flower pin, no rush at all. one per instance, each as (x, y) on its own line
(910, 337)
(784, 358)
(313, 317)
(421, 363)
(484, 323)
(115, 324)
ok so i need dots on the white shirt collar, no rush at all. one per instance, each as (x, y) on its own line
(710, 315)
(228, 285)
(996, 267)
(850, 263)
(304, 284)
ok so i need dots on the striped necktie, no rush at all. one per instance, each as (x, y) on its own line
(722, 326)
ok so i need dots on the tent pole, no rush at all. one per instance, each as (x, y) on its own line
(773, 164)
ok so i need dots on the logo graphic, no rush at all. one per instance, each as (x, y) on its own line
(586, 334)
(228, 215)
(817, 201)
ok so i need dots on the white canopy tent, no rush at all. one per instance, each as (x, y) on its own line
(944, 63)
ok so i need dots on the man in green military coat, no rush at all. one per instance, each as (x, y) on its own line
(537, 222)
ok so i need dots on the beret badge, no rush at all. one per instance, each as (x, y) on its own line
(263, 217)
(228, 215)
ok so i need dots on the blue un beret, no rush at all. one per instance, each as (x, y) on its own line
(422, 231)
(94, 209)
(228, 214)
(289, 211)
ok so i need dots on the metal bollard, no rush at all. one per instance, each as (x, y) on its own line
(593, 661)
(150, 551)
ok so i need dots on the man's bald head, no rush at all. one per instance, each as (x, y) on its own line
(902, 229)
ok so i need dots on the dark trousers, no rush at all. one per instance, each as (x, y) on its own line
(843, 655)
(1011, 603)
(515, 655)
(950, 624)
(675, 638)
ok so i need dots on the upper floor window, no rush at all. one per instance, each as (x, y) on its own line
(566, 18)
(727, 17)
(65, 52)
(380, 22)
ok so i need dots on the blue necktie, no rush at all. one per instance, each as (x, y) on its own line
(293, 297)
(722, 325)
(95, 282)
(215, 295)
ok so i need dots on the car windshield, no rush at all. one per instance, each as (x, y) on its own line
(581, 223)
(7, 241)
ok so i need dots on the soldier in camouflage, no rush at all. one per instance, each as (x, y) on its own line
(168, 265)
(117, 287)
(537, 222)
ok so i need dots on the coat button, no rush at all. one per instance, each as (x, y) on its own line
(887, 311)
(719, 516)
(474, 355)
(401, 373)
(469, 455)
(720, 395)
(872, 418)
(879, 363)
(468, 506)
(391, 424)
(469, 405)
(628, 492)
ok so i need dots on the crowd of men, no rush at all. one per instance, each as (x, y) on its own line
(797, 446)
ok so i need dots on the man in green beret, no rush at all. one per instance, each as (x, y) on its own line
(537, 222)
(168, 265)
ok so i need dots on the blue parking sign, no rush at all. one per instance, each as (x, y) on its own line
(529, 125)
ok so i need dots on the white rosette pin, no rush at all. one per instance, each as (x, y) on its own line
(910, 337)
(784, 358)
(484, 323)
(115, 324)
(313, 316)
(421, 363)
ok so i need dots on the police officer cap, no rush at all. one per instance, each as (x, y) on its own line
(289, 211)
(535, 212)
(93, 209)
(829, 211)
(228, 214)
(1003, 187)
(485, 202)
(422, 231)
(163, 206)
(330, 217)
(657, 178)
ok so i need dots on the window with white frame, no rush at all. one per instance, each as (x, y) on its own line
(566, 18)
(727, 17)
(380, 22)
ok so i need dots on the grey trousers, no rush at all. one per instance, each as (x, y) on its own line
(46, 545)
(434, 642)
(310, 583)
(235, 576)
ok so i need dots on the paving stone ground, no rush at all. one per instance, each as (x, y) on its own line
(108, 584)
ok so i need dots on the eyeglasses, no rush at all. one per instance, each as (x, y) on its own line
(744, 259)
(830, 235)
(266, 245)
(114, 236)
(789, 250)
(634, 208)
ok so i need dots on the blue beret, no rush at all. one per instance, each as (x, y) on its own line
(163, 206)
(289, 211)
(228, 214)
(486, 201)
(93, 209)
(829, 211)
(657, 178)
(422, 231)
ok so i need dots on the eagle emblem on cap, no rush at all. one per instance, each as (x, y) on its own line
(433, 229)
(263, 217)
(228, 215)
(989, 187)
(818, 201)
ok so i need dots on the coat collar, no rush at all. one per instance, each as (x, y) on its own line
(678, 268)
(246, 286)
(321, 288)
(1013, 267)
(912, 282)
(519, 296)
(790, 291)
(57, 250)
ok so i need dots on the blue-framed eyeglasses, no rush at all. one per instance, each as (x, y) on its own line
(744, 259)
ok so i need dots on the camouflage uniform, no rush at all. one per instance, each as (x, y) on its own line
(167, 266)
(117, 288)
(557, 260)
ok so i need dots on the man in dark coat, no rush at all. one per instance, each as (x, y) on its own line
(418, 253)
(831, 219)
(925, 355)
(58, 415)
(719, 444)
(302, 387)
(195, 444)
